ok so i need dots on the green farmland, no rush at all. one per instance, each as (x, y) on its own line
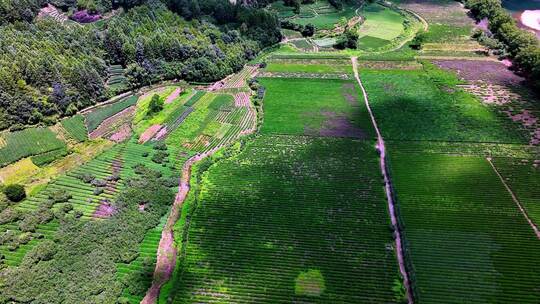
(467, 240)
(251, 235)
(314, 106)
(273, 152)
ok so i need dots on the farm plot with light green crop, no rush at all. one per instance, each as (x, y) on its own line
(27, 142)
(321, 107)
(467, 240)
(98, 115)
(290, 219)
(75, 127)
(308, 68)
(213, 121)
(427, 105)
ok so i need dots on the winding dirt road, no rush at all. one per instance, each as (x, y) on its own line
(389, 195)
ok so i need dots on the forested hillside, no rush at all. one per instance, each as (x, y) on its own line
(50, 69)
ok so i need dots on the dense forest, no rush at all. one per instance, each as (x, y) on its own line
(50, 69)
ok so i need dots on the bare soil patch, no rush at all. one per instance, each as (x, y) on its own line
(123, 133)
(451, 12)
(149, 133)
(489, 71)
(104, 210)
(113, 124)
(173, 95)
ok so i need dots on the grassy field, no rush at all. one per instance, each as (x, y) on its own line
(381, 23)
(426, 105)
(98, 115)
(308, 68)
(312, 106)
(27, 142)
(290, 219)
(467, 239)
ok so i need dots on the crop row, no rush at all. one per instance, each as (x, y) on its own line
(466, 239)
(97, 116)
(75, 127)
(283, 206)
(523, 177)
(28, 142)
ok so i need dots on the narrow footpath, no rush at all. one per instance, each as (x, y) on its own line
(515, 199)
(166, 254)
(389, 195)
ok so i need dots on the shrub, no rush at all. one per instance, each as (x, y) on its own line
(160, 157)
(156, 104)
(86, 177)
(59, 196)
(15, 192)
(29, 223)
(98, 183)
(98, 191)
(160, 146)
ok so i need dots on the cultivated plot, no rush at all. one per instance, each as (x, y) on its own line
(290, 219)
(467, 240)
(319, 107)
(427, 105)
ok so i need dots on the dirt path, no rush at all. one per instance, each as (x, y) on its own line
(166, 254)
(514, 198)
(389, 195)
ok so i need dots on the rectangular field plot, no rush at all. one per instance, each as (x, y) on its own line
(427, 105)
(307, 67)
(315, 107)
(290, 220)
(467, 240)
(523, 177)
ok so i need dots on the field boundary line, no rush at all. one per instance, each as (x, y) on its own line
(515, 199)
(388, 188)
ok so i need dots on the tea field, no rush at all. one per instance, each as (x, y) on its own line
(466, 238)
(288, 219)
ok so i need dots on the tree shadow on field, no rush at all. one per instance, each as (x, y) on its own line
(287, 206)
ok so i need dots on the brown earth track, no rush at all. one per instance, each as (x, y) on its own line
(387, 186)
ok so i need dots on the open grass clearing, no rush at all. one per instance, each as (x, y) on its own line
(381, 22)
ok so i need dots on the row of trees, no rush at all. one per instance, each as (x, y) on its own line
(49, 70)
(522, 46)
